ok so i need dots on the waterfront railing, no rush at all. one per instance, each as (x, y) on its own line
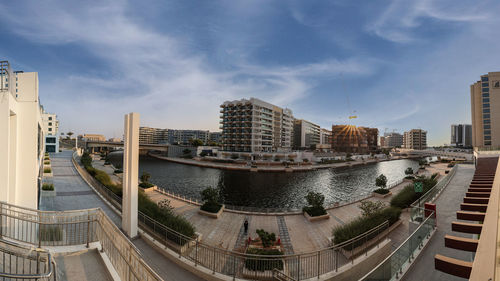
(79, 227)
(394, 266)
(241, 265)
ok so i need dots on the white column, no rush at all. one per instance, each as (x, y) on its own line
(130, 174)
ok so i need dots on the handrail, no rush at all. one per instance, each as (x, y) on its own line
(446, 180)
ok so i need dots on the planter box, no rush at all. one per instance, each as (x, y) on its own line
(48, 175)
(361, 249)
(48, 193)
(316, 218)
(149, 189)
(378, 195)
(212, 215)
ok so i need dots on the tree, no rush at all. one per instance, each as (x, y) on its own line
(409, 171)
(196, 142)
(210, 195)
(368, 208)
(70, 134)
(315, 199)
(381, 181)
(145, 177)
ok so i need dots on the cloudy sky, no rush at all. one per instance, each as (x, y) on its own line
(396, 64)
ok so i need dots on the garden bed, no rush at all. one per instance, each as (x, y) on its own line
(316, 218)
(210, 214)
(261, 268)
(148, 189)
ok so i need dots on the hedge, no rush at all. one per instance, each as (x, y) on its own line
(148, 207)
(363, 224)
(381, 191)
(210, 207)
(262, 263)
(408, 195)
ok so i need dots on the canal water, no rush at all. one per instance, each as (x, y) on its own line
(270, 190)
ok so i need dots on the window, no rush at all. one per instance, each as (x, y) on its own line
(487, 121)
(486, 110)
(50, 123)
(486, 99)
(487, 143)
(484, 84)
(50, 129)
(486, 116)
(486, 105)
(487, 137)
(50, 117)
(484, 78)
(485, 90)
(496, 84)
(487, 126)
(487, 132)
(485, 95)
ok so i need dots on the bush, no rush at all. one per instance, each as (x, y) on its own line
(363, 224)
(408, 195)
(211, 207)
(263, 263)
(266, 238)
(46, 162)
(409, 171)
(210, 197)
(146, 185)
(47, 170)
(381, 191)
(48, 186)
(368, 208)
(381, 181)
(145, 177)
(315, 200)
(86, 160)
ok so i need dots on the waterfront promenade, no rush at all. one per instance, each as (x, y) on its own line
(72, 192)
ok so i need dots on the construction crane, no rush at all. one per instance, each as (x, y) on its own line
(352, 114)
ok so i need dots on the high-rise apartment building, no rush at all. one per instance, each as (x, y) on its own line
(352, 139)
(305, 134)
(255, 126)
(415, 139)
(149, 135)
(393, 140)
(51, 131)
(184, 137)
(215, 137)
(485, 111)
(325, 136)
(22, 140)
(461, 135)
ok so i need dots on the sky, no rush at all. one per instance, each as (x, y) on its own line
(396, 64)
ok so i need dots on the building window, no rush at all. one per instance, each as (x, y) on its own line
(50, 117)
(487, 143)
(485, 90)
(486, 116)
(486, 110)
(485, 95)
(495, 84)
(50, 123)
(487, 126)
(484, 78)
(487, 121)
(484, 84)
(486, 105)
(487, 132)
(50, 129)
(486, 100)
(487, 137)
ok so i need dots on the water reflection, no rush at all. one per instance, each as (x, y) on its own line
(271, 190)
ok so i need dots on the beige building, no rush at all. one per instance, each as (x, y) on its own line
(485, 111)
(306, 134)
(94, 137)
(415, 139)
(22, 140)
(255, 126)
(149, 135)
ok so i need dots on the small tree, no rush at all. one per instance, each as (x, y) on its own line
(409, 171)
(210, 197)
(145, 177)
(368, 208)
(196, 142)
(266, 238)
(315, 199)
(381, 181)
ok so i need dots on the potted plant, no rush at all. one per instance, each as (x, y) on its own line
(48, 190)
(211, 206)
(315, 209)
(257, 265)
(145, 184)
(47, 172)
(381, 183)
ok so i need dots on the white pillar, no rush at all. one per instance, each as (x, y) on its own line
(130, 174)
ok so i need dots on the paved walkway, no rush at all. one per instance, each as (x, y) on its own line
(84, 266)
(74, 193)
(226, 233)
(447, 204)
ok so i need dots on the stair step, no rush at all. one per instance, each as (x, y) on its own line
(453, 266)
(473, 228)
(470, 216)
(460, 243)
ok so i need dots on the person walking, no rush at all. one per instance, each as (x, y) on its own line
(245, 225)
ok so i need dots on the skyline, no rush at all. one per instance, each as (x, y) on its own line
(399, 64)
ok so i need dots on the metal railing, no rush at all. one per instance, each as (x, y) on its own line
(81, 227)
(241, 265)
(399, 260)
(20, 262)
(430, 196)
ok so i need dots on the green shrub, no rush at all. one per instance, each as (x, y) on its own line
(46, 158)
(381, 191)
(408, 195)
(363, 224)
(266, 238)
(263, 263)
(145, 177)
(47, 170)
(409, 171)
(86, 159)
(146, 185)
(368, 208)
(211, 207)
(48, 186)
(315, 201)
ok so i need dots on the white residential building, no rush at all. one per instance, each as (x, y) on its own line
(415, 139)
(22, 138)
(51, 131)
(255, 126)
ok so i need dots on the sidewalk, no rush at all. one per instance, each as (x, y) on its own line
(72, 192)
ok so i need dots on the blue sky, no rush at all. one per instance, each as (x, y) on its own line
(401, 64)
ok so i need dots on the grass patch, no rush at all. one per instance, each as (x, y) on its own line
(48, 187)
(263, 263)
(363, 224)
(47, 170)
